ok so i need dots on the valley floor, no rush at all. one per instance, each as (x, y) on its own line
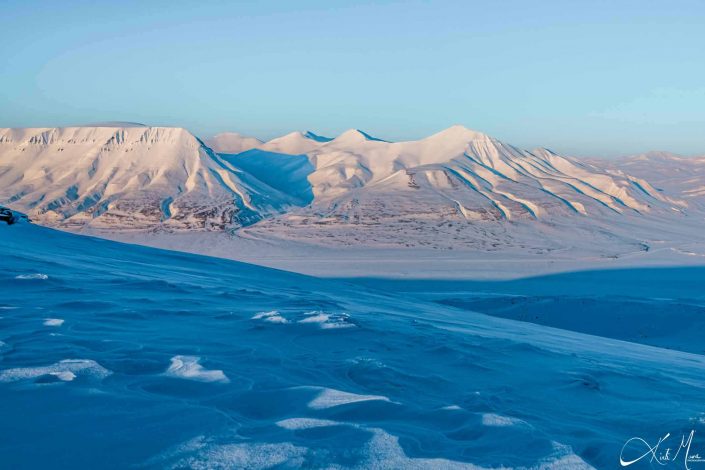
(413, 263)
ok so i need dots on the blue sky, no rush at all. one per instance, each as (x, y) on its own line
(580, 77)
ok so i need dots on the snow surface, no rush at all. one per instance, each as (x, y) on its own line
(65, 370)
(189, 367)
(136, 312)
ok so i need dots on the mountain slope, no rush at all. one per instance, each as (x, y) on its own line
(127, 178)
(461, 188)
(481, 176)
(670, 173)
(458, 188)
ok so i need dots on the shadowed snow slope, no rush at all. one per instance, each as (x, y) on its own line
(287, 173)
(161, 363)
(127, 178)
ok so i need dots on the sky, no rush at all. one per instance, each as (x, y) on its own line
(586, 78)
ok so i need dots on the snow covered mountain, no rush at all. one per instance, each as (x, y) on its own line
(232, 142)
(669, 173)
(295, 143)
(131, 177)
(456, 188)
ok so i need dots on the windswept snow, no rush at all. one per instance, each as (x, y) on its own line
(175, 372)
(329, 398)
(65, 370)
(38, 276)
(189, 367)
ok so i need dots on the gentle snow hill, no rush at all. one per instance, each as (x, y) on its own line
(127, 178)
(232, 142)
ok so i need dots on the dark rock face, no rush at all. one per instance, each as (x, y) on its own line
(10, 217)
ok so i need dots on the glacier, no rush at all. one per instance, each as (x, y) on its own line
(164, 360)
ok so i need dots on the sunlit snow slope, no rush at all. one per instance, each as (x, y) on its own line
(232, 142)
(669, 173)
(127, 178)
(464, 189)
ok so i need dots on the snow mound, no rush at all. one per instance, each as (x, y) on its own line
(270, 317)
(188, 367)
(327, 321)
(498, 421)
(329, 398)
(65, 370)
(202, 454)
(295, 424)
(38, 276)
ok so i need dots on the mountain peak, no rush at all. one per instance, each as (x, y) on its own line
(460, 133)
(295, 143)
(232, 142)
(355, 135)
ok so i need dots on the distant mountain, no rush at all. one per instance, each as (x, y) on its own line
(456, 188)
(669, 172)
(471, 173)
(128, 178)
(295, 143)
(232, 142)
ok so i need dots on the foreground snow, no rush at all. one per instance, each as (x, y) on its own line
(165, 360)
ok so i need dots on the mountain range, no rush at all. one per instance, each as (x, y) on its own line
(458, 188)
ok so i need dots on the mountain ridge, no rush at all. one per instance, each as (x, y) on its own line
(127, 178)
(458, 185)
